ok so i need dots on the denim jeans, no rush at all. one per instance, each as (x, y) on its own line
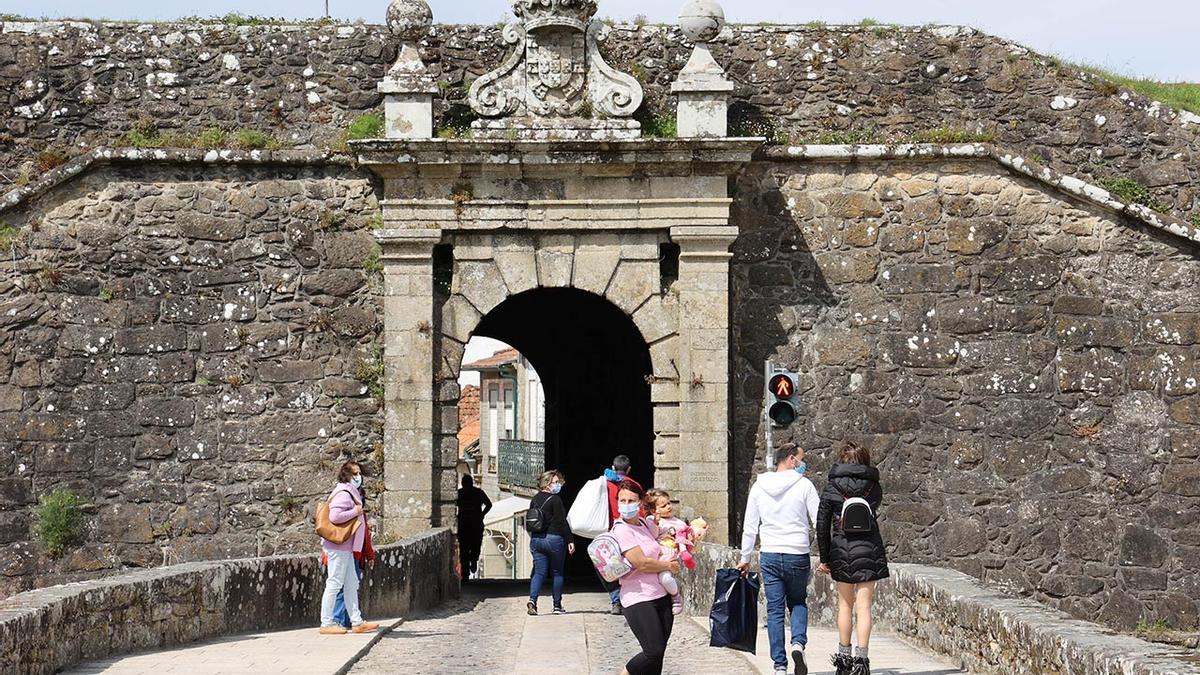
(549, 558)
(340, 615)
(785, 580)
(341, 577)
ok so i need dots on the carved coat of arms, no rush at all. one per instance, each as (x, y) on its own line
(556, 69)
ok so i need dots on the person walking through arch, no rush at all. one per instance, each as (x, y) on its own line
(615, 475)
(780, 510)
(549, 540)
(646, 603)
(473, 504)
(852, 550)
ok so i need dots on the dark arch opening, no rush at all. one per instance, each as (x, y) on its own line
(593, 364)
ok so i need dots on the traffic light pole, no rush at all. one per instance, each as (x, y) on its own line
(768, 370)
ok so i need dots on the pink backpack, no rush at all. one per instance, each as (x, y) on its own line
(606, 555)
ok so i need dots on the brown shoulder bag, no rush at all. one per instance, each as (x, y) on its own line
(334, 532)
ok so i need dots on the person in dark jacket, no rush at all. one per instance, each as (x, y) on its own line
(473, 504)
(549, 548)
(855, 560)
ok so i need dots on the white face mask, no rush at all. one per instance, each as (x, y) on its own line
(356, 481)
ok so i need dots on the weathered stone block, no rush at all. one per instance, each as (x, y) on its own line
(1173, 329)
(920, 350)
(1094, 332)
(842, 267)
(290, 371)
(921, 278)
(1093, 370)
(166, 412)
(1141, 546)
(852, 205)
(1022, 274)
(974, 236)
(150, 340)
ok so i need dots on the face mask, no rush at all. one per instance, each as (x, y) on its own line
(356, 481)
(628, 510)
(801, 468)
(555, 488)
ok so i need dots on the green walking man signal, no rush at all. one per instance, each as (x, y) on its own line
(783, 405)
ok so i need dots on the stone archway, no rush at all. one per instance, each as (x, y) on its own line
(506, 217)
(595, 369)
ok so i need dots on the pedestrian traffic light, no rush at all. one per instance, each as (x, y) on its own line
(783, 404)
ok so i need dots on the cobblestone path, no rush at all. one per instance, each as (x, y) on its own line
(488, 631)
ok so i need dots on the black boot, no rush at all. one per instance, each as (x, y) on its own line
(841, 664)
(862, 666)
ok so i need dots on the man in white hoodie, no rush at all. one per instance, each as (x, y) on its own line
(781, 509)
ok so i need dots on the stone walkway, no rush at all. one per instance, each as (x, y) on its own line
(290, 651)
(487, 631)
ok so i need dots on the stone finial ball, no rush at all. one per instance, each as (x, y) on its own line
(409, 19)
(701, 20)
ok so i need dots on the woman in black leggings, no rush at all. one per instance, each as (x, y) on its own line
(646, 603)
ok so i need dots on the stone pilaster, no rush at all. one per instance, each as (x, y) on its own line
(702, 480)
(409, 453)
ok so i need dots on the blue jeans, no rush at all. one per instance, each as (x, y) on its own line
(549, 558)
(785, 580)
(340, 615)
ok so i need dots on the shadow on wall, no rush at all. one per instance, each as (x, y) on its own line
(778, 292)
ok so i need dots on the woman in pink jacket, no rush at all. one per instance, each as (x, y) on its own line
(345, 504)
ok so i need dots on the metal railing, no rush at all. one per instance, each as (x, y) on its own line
(520, 463)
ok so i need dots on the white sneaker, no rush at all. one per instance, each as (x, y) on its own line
(781, 671)
(798, 659)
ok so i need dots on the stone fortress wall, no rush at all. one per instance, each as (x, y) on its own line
(83, 82)
(1022, 364)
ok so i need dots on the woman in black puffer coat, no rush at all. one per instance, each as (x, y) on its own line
(854, 560)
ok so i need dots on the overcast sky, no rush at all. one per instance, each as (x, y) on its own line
(1153, 38)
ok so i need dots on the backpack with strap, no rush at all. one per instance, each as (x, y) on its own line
(536, 519)
(336, 533)
(607, 558)
(857, 515)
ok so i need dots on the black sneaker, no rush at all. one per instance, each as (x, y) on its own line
(798, 660)
(616, 609)
(861, 666)
(559, 610)
(841, 664)
(531, 608)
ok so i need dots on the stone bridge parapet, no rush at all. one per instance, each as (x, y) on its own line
(953, 614)
(49, 629)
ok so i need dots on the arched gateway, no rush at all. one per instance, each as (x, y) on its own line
(556, 190)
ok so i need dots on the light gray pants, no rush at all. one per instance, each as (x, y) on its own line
(342, 577)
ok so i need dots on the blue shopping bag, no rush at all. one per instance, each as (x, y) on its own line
(733, 619)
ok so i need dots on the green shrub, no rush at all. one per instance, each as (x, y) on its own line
(252, 139)
(59, 520)
(367, 125)
(370, 373)
(1130, 191)
(1195, 220)
(9, 236)
(660, 126)
(212, 138)
(373, 263)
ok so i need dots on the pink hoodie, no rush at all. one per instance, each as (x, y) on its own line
(342, 501)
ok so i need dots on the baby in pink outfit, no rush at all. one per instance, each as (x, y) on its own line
(676, 538)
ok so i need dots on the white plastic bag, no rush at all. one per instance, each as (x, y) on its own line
(588, 516)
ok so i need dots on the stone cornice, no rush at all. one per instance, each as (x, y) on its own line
(504, 157)
(110, 156)
(1059, 182)
(722, 155)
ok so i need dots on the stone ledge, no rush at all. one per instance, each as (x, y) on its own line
(953, 614)
(50, 629)
(104, 156)
(1013, 162)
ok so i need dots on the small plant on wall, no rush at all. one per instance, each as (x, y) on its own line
(59, 520)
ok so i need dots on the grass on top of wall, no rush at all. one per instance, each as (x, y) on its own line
(1177, 95)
